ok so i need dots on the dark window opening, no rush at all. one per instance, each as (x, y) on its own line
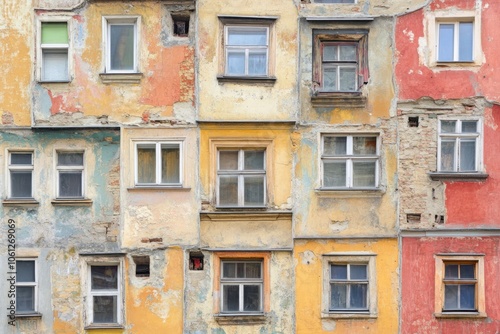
(141, 266)
(439, 219)
(181, 25)
(413, 122)
(196, 260)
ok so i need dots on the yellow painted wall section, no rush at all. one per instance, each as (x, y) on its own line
(309, 287)
(155, 304)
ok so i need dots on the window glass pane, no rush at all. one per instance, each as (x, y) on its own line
(70, 159)
(358, 296)
(335, 145)
(170, 159)
(20, 159)
(235, 63)
(364, 145)
(228, 160)
(451, 271)
(448, 126)
(247, 36)
(104, 277)
(240, 270)
(25, 271)
(469, 126)
(450, 297)
(358, 271)
(347, 76)
(231, 300)
(55, 65)
(330, 78)
(257, 63)
(348, 52)
(70, 184)
(252, 270)
(105, 309)
(467, 296)
(338, 298)
(228, 190)
(146, 163)
(467, 155)
(338, 271)
(254, 190)
(121, 46)
(251, 298)
(467, 271)
(335, 174)
(254, 160)
(447, 155)
(20, 184)
(228, 270)
(330, 52)
(54, 33)
(363, 174)
(25, 299)
(465, 33)
(446, 46)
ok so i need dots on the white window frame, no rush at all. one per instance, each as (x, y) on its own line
(241, 282)
(69, 169)
(91, 293)
(241, 173)
(456, 39)
(24, 168)
(158, 162)
(349, 158)
(33, 284)
(353, 258)
(458, 136)
(107, 22)
(40, 47)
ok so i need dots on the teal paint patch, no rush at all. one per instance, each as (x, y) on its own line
(218, 331)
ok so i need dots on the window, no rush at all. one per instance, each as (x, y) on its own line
(349, 285)
(459, 146)
(340, 61)
(54, 46)
(121, 44)
(455, 41)
(26, 286)
(241, 178)
(350, 161)
(459, 285)
(21, 174)
(158, 163)
(104, 302)
(241, 286)
(70, 174)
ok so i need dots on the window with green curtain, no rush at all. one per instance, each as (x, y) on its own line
(54, 33)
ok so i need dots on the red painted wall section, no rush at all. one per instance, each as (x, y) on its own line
(418, 275)
(477, 204)
(415, 79)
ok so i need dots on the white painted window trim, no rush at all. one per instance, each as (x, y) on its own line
(70, 168)
(39, 49)
(158, 144)
(34, 284)
(246, 48)
(107, 21)
(456, 37)
(11, 167)
(457, 136)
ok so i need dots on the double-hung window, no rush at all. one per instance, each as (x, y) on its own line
(104, 301)
(54, 51)
(241, 178)
(459, 146)
(158, 164)
(350, 161)
(349, 287)
(455, 41)
(241, 286)
(21, 174)
(246, 50)
(26, 286)
(70, 178)
(121, 36)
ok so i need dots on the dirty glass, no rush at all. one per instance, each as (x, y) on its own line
(105, 309)
(121, 47)
(334, 173)
(170, 160)
(363, 173)
(104, 277)
(254, 190)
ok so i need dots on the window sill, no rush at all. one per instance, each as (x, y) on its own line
(471, 177)
(27, 315)
(159, 188)
(245, 215)
(104, 326)
(339, 100)
(20, 202)
(349, 193)
(243, 319)
(125, 78)
(72, 202)
(456, 63)
(42, 82)
(269, 81)
(347, 315)
(478, 315)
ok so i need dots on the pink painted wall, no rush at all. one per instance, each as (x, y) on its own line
(418, 273)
